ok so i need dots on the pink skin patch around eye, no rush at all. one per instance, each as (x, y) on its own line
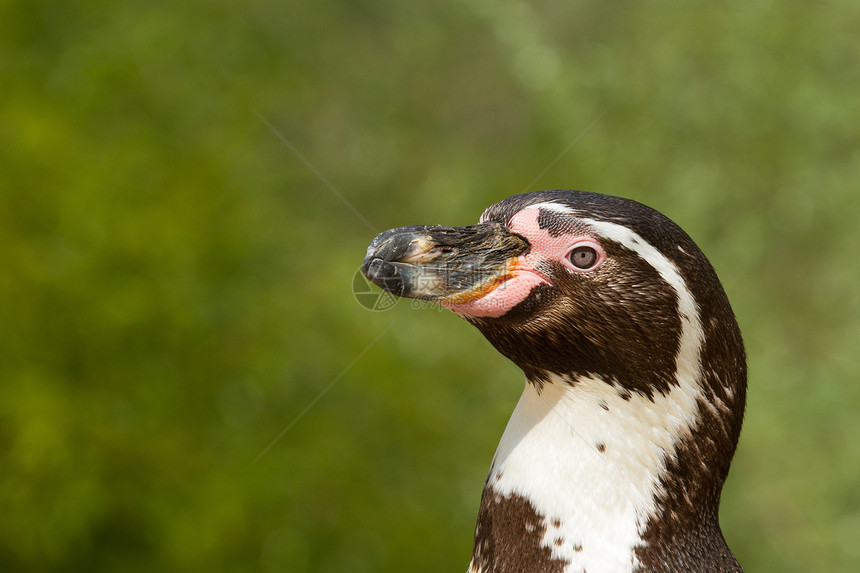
(524, 276)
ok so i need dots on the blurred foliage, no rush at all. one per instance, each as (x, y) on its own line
(177, 261)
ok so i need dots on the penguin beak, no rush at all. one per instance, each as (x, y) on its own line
(444, 264)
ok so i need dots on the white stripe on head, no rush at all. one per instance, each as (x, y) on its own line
(555, 207)
(548, 205)
(688, 363)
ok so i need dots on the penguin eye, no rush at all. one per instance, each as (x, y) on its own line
(583, 257)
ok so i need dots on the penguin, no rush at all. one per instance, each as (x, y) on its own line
(615, 456)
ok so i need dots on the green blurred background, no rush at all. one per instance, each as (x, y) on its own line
(176, 282)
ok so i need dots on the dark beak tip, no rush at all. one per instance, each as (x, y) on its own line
(385, 276)
(365, 265)
(372, 267)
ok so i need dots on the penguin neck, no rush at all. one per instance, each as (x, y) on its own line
(578, 475)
